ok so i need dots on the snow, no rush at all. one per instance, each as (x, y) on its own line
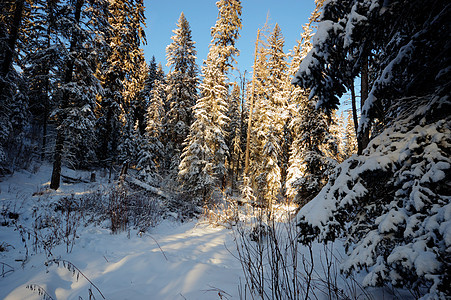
(136, 267)
(390, 221)
(173, 261)
(391, 205)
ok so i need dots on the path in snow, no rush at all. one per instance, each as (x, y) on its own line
(121, 266)
(194, 265)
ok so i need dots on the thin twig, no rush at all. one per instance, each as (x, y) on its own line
(79, 271)
(158, 246)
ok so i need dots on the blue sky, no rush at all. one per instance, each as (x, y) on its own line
(162, 16)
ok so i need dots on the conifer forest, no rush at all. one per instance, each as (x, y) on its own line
(323, 172)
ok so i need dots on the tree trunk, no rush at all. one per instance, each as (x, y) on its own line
(13, 36)
(56, 173)
(45, 117)
(364, 135)
(107, 134)
(354, 110)
(11, 43)
(59, 146)
(44, 131)
(251, 108)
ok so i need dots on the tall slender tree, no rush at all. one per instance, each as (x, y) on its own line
(226, 32)
(203, 163)
(181, 85)
(78, 87)
(122, 75)
(233, 130)
(271, 118)
(314, 148)
(203, 159)
(151, 152)
(13, 104)
(42, 59)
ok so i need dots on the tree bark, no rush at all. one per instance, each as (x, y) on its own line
(251, 108)
(59, 145)
(11, 43)
(13, 36)
(364, 135)
(45, 117)
(354, 110)
(56, 172)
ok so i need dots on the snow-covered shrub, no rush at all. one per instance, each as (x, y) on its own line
(117, 208)
(392, 204)
(130, 206)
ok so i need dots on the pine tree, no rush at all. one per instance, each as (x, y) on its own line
(78, 87)
(268, 128)
(146, 93)
(42, 59)
(385, 203)
(314, 149)
(350, 139)
(134, 103)
(13, 96)
(181, 85)
(233, 131)
(151, 152)
(226, 32)
(118, 72)
(203, 163)
(203, 159)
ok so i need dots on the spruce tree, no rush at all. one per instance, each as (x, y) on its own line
(203, 160)
(13, 96)
(181, 85)
(314, 148)
(42, 59)
(269, 125)
(233, 130)
(388, 203)
(350, 139)
(203, 163)
(226, 32)
(134, 103)
(77, 86)
(151, 150)
(118, 71)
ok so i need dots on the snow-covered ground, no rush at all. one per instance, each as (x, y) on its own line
(193, 263)
(172, 261)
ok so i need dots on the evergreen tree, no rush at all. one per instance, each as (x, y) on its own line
(134, 101)
(181, 85)
(151, 152)
(43, 56)
(226, 32)
(387, 203)
(118, 72)
(13, 96)
(233, 130)
(313, 151)
(77, 86)
(203, 159)
(146, 93)
(350, 139)
(314, 148)
(257, 137)
(271, 107)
